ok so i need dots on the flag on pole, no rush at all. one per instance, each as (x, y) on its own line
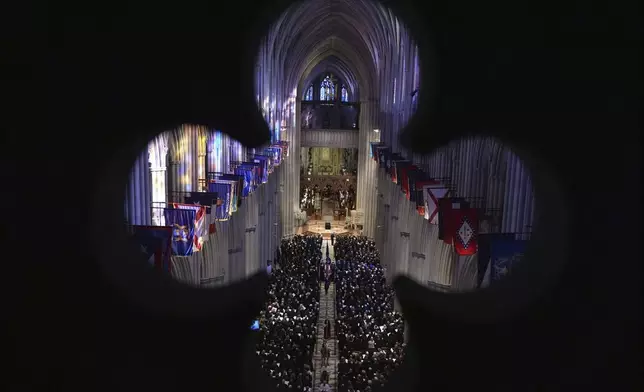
(466, 222)
(183, 230)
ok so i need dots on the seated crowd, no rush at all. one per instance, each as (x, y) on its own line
(369, 331)
(288, 324)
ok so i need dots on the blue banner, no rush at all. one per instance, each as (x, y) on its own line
(154, 243)
(247, 173)
(504, 253)
(183, 230)
(223, 190)
(484, 243)
(264, 161)
(206, 199)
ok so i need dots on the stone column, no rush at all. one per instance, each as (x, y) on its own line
(138, 192)
(158, 150)
(367, 168)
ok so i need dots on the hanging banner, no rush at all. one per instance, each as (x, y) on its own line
(466, 222)
(446, 223)
(182, 223)
(247, 174)
(399, 170)
(484, 243)
(237, 184)
(391, 166)
(404, 173)
(223, 190)
(264, 164)
(285, 150)
(432, 195)
(373, 152)
(422, 180)
(505, 252)
(155, 242)
(206, 199)
(383, 156)
(201, 228)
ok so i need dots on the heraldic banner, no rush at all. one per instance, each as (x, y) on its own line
(183, 230)
(505, 252)
(447, 224)
(484, 242)
(466, 222)
(155, 243)
(201, 228)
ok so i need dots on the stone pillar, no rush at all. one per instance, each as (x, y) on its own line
(367, 168)
(138, 192)
(158, 150)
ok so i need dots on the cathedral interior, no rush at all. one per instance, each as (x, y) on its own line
(367, 174)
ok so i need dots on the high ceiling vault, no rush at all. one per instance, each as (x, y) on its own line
(352, 34)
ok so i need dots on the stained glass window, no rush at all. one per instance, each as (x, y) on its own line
(327, 89)
(345, 94)
(309, 94)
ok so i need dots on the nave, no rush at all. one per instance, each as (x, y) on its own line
(329, 323)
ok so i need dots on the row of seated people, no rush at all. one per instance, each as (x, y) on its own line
(369, 331)
(288, 323)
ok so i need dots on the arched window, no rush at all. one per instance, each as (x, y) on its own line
(327, 89)
(309, 94)
(345, 94)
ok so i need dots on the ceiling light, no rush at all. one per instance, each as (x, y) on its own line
(376, 130)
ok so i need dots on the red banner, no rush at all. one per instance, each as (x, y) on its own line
(446, 227)
(405, 178)
(466, 225)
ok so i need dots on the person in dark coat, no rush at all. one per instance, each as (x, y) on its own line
(326, 286)
(332, 238)
(327, 329)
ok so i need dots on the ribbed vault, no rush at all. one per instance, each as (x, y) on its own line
(352, 31)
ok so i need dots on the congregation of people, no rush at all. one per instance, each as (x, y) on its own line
(369, 331)
(288, 323)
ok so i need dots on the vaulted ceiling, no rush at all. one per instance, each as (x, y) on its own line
(348, 35)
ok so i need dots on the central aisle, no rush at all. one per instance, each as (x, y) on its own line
(327, 312)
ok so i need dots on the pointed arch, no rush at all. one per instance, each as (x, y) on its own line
(308, 96)
(327, 89)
